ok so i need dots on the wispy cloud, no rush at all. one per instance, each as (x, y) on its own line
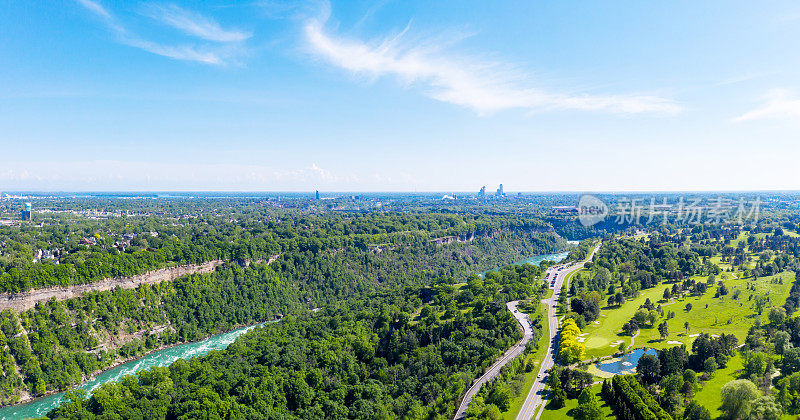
(740, 79)
(194, 24)
(96, 8)
(778, 103)
(208, 54)
(177, 52)
(483, 87)
(100, 12)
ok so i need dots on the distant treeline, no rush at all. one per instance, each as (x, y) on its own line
(89, 250)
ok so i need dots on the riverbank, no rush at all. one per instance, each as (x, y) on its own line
(164, 356)
(27, 398)
(535, 260)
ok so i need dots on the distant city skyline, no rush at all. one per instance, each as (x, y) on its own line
(449, 96)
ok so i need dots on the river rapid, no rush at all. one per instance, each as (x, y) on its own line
(40, 406)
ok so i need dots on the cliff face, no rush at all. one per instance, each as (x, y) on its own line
(27, 300)
(445, 240)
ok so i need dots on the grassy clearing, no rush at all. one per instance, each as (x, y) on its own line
(566, 411)
(708, 315)
(516, 403)
(720, 315)
(565, 287)
(709, 395)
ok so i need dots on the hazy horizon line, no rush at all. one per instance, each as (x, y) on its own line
(475, 192)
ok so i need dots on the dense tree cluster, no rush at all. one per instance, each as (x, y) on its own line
(569, 349)
(65, 342)
(582, 251)
(566, 383)
(793, 301)
(631, 401)
(707, 349)
(648, 263)
(587, 305)
(402, 353)
(84, 251)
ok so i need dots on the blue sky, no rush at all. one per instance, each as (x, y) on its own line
(399, 96)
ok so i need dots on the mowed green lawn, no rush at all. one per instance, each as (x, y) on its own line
(709, 394)
(566, 411)
(565, 285)
(708, 315)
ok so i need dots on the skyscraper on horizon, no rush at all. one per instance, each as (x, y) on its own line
(27, 211)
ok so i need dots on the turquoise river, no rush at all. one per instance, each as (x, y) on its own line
(536, 259)
(40, 406)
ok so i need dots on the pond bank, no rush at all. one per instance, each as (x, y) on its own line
(624, 365)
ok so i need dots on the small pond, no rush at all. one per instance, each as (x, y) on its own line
(625, 364)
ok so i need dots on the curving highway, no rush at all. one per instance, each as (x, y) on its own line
(494, 370)
(536, 396)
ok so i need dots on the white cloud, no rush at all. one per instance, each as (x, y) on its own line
(178, 52)
(311, 173)
(740, 79)
(96, 8)
(104, 174)
(194, 24)
(321, 173)
(483, 87)
(778, 103)
(207, 54)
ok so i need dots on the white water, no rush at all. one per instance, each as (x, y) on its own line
(40, 406)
